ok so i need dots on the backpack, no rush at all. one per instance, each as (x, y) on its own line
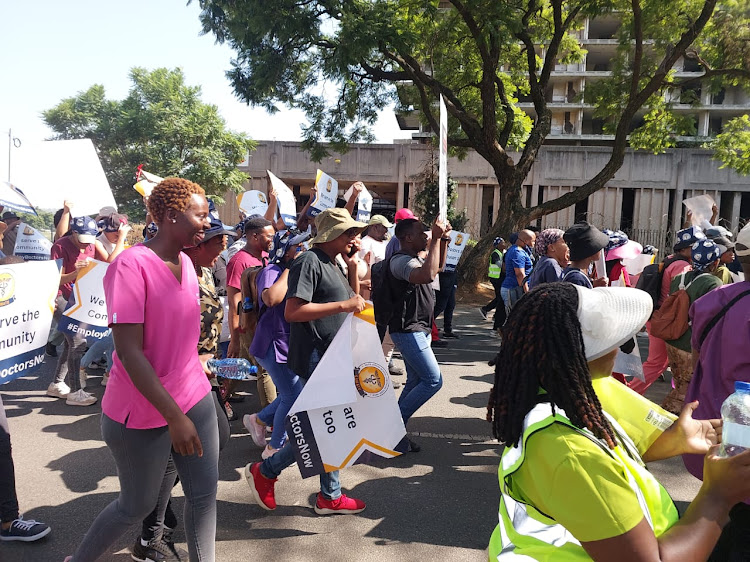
(651, 278)
(385, 295)
(671, 321)
(249, 307)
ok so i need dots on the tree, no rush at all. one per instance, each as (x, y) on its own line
(482, 56)
(426, 201)
(162, 124)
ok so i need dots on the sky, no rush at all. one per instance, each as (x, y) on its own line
(51, 50)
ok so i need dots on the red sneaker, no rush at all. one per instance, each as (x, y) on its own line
(260, 486)
(342, 504)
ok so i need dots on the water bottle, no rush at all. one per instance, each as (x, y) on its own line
(233, 368)
(735, 415)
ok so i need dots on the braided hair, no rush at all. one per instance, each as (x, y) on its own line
(543, 348)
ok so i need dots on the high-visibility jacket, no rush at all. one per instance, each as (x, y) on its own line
(494, 269)
(524, 533)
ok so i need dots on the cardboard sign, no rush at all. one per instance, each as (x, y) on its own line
(701, 207)
(328, 191)
(443, 164)
(86, 313)
(456, 247)
(145, 182)
(347, 413)
(31, 244)
(13, 198)
(27, 301)
(252, 202)
(286, 205)
(364, 203)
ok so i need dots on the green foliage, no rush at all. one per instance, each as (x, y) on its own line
(426, 201)
(732, 145)
(162, 124)
(43, 221)
(661, 128)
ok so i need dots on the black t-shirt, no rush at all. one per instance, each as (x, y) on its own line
(415, 312)
(314, 277)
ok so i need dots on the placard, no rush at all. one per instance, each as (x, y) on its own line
(145, 182)
(286, 205)
(253, 202)
(364, 203)
(31, 244)
(456, 247)
(327, 192)
(13, 198)
(347, 412)
(27, 302)
(443, 164)
(86, 313)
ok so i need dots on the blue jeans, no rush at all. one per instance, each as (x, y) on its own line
(288, 386)
(511, 297)
(423, 378)
(330, 486)
(104, 346)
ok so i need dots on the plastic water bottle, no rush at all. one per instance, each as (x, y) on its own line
(735, 415)
(233, 368)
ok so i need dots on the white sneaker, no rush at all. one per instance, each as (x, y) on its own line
(105, 379)
(255, 428)
(268, 451)
(82, 377)
(80, 398)
(58, 390)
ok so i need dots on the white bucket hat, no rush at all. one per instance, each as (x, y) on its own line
(610, 316)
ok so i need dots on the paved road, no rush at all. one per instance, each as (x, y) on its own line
(439, 504)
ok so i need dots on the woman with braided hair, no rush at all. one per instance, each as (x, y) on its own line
(158, 401)
(573, 481)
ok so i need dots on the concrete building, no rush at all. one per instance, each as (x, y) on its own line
(644, 198)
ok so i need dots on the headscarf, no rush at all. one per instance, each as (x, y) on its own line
(546, 238)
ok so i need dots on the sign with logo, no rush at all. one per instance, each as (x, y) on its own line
(145, 182)
(287, 206)
(252, 202)
(347, 413)
(456, 247)
(86, 314)
(364, 203)
(328, 191)
(31, 244)
(13, 198)
(27, 302)
(443, 164)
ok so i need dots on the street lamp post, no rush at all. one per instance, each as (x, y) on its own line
(12, 142)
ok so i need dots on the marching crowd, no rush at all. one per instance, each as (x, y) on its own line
(573, 480)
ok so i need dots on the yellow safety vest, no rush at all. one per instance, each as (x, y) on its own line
(494, 270)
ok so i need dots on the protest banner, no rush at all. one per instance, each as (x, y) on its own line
(443, 164)
(347, 412)
(86, 313)
(286, 205)
(13, 198)
(364, 203)
(31, 244)
(456, 247)
(27, 302)
(325, 198)
(145, 182)
(252, 202)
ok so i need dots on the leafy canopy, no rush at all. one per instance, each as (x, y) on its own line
(162, 124)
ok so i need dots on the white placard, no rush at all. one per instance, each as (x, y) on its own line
(27, 301)
(327, 192)
(347, 413)
(31, 244)
(145, 182)
(456, 247)
(443, 164)
(252, 202)
(287, 206)
(13, 198)
(86, 314)
(701, 207)
(364, 203)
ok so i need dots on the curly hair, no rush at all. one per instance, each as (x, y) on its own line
(543, 348)
(171, 193)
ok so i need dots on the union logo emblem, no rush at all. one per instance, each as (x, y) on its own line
(329, 185)
(459, 239)
(370, 380)
(262, 198)
(7, 288)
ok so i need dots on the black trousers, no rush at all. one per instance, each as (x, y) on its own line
(733, 544)
(8, 498)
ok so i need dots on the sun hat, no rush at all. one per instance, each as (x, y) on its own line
(620, 247)
(379, 219)
(687, 237)
(703, 253)
(217, 227)
(85, 229)
(584, 240)
(742, 247)
(332, 223)
(10, 215)
(404, 213)
(545, 238)
(610, 316)
(283, 240)
(724, 243)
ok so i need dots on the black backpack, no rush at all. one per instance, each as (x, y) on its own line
(652, 275)
(387, 292)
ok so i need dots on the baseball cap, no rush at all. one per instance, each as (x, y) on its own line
(85, 229)
(112, 222)
(498, 240)
(217, 227)
(379, 219)
(703, 253)
(9, 215)
(687, 237)
(403, 214)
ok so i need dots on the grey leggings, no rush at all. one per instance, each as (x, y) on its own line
(141, 456)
